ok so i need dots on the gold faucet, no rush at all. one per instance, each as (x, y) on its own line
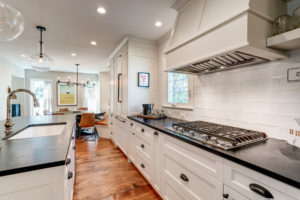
(12, 95)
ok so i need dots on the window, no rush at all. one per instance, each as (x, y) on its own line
(179, 89)
(43, 91)
(90, 96)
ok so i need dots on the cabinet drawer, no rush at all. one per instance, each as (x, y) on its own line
(194, 183)
(144, 147)
(241, 179)
(144, 132)
(198, 159)
(171, 193)
(144, 167)
(230, 194)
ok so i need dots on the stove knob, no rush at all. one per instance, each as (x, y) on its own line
(192, 133)
(174, 127)
(180, 130)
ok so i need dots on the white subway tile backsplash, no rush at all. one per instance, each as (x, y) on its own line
(257, 97)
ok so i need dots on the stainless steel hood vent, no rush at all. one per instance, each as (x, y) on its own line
(220, 63)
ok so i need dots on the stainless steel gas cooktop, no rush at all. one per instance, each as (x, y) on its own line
(221, 136)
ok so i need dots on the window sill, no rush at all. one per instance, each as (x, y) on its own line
(178, 107)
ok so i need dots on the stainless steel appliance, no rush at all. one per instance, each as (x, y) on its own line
(147, 109)
(216, 135)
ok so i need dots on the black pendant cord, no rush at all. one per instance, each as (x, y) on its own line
(77, 75)
(41, 29)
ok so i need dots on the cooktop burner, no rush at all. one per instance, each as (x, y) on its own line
(221, 136)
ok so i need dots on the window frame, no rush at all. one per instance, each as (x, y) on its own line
(187, 106)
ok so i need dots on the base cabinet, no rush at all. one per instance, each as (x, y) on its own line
(180, 171)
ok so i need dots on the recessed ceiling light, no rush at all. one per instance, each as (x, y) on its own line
(73, 54)
(93, 43)
(158, 24)
(101, 10)
(23, 56)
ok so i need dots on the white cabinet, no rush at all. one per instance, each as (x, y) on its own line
(53, 183)
(254, 185)
(230, 194)
(120, 132)
(189, 170)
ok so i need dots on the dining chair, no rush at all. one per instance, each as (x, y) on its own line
(57, 113)
(87, 121)
(64, 109)
(83, 108)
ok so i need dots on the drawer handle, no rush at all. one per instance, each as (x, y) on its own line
(143, 130)
(70, 175)
(131, 124)
(143, 146)
(74, 147)
(184, 177)
(143, 166)
(133, 133)
(73, 137)
(155, 133)
(68, 161)
(226, 196)
(260, 190)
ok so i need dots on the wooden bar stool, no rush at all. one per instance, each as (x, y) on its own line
(87, 121)
(64, 109)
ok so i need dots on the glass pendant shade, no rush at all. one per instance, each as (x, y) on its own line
(11, 22)
(41, 62)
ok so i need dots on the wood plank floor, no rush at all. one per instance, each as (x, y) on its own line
(103, 173)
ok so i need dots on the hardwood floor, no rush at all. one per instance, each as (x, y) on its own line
(103, 173)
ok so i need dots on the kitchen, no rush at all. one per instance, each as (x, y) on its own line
(201, 104)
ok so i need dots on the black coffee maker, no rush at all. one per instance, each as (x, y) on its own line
(147, 109)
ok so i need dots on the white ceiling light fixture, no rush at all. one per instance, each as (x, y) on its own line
(11, 22)
(73, 54)
(23, 56)
(158, 24)
(101, 10)
(41, 61)
(94, 43)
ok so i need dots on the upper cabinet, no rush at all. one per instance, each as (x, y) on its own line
(208, 28)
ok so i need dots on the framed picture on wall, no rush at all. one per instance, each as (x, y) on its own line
(143, 79)
(66, 94)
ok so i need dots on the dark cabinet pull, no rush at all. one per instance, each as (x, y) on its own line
(73, 137)
(133, 133)
(131, 124)
(226, 196)
(143, 166)
(155, 133)
(70, 175)
(260, 190)
(74, 147)
(68, 161)
(143, 146)
(184, 177)
(111, 133)
(143, 130)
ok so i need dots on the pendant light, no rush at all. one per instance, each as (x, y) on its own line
(41, 61)
(11, 22)
(69, 82)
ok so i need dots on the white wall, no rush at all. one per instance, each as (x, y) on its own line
(142, 58)
(7, 70)
(32, 74)
(257, 97)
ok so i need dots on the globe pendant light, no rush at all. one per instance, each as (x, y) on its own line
(41, 61)
(11, 22)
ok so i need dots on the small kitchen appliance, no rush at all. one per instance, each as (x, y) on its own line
(216, 135)
(147, 109)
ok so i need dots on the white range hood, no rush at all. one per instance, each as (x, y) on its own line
(214, 35)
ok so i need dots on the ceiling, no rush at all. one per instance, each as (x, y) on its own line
(73, 24)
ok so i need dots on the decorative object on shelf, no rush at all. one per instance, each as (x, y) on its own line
(41, 61)
(70, 83)
(293, 75)
(143, 79)
(66, 94)
(296, 18)
(282, 24)
(12, 22)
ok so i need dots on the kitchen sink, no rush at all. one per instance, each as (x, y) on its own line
(39, 131)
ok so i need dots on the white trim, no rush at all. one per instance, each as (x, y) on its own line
(179, 107)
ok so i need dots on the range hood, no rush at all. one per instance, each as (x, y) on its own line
(214, 35)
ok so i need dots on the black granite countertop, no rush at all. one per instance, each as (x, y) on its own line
(274, 158)
(22, 155)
